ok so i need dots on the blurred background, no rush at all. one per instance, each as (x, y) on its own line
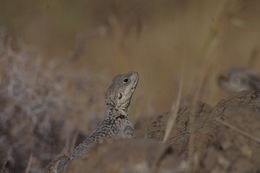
(155, 38)
(166, 41)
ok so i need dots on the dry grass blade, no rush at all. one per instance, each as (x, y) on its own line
(238, 130)
(210, 45)
(174, 111)
(170, 124)
(254, 56)
(27, 170)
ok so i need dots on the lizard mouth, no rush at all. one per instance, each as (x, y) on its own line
(136, 81)
(135, 84)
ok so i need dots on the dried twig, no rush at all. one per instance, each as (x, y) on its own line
(257, 140)
(174, 111)
(29, 164)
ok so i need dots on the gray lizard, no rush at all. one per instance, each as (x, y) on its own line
(116, 123)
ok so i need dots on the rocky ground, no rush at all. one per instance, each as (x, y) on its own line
(225, 138)
(58, 57)
(39, 120)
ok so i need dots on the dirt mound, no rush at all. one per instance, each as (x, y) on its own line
(236, 147)
(225, 139)
(182, 127)
(119, 156)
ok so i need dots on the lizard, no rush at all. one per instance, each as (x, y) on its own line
(239, 79)
(116, 124)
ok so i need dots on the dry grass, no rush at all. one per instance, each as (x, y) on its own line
(174, 111)
(54, 91)
(39, 110)
(241, 132)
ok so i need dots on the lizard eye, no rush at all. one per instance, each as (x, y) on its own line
(125, 80)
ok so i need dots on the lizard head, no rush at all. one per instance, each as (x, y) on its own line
(120, 92)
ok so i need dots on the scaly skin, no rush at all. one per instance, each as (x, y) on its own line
(116, 123)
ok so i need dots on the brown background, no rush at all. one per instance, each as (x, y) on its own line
(155, 38)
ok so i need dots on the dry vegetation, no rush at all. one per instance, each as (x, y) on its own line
(39, 101)
(57, 58)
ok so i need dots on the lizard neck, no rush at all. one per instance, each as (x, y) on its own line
(113, 111)
(121, 107)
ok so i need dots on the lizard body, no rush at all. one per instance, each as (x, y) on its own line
(116, 123)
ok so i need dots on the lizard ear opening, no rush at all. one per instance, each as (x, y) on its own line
(120, 95)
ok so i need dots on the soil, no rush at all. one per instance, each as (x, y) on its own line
(223, 138)
(213, 139)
